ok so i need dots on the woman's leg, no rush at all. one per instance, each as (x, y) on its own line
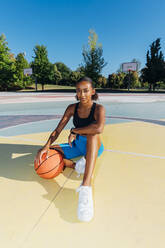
(92, 147)
(67, 162)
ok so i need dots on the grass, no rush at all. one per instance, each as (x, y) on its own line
(65, 88)
(47, 87)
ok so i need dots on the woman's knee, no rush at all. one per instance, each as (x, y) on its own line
(93, 140)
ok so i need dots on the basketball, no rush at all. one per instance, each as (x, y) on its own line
(50, 167)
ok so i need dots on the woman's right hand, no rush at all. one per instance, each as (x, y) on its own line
(71, 138)
(40, 153)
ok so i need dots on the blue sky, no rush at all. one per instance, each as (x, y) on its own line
(125, 28)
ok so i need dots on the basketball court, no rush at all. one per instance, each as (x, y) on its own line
(128, 182)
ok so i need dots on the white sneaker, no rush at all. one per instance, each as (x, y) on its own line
(80, 166)
(85, 210)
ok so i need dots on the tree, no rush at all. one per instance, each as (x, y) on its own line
(155, 66)
(74, 77)
(93, 58)
(102, 82)
(120, 80)
(116, 80)
(42, 68)
(112, 81)
(131, 80)
(56, 75)
(21, 63)
(65, 72)
(80, 69)
(7, 66)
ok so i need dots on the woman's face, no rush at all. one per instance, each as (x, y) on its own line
(84, 91)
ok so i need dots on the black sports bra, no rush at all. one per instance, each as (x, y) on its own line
(82, 122)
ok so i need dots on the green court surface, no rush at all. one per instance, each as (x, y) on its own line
(128, 182)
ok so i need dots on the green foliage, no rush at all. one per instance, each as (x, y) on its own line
(123, 80)
(21, 63)
(112, 81)
(161, 85)
(135, 83)
(7, 66)
(74, 77)
(93, 58)
(120, 80)
(42, 69)
(12, 76)
(64, 70)
(56, 75)
(116, 81)
(102, 82)
(144, 85)
(131, 80)
(155, 65)
(80, 69)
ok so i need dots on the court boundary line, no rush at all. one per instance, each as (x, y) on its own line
(44, 212)
(4, 128)
(18, 138)
(136, 154)
(106, 150)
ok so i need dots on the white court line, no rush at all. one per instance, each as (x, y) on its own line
(23, 139)
(27, 123)
(107, 150)
(44, 212)
(19, 138)
(136, 154)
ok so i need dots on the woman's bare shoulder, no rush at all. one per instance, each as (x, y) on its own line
(99, 111)
(71, 108)
(99, 107)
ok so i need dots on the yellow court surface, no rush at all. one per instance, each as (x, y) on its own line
(128, 193)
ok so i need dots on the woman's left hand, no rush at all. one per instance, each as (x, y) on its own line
(71, 138)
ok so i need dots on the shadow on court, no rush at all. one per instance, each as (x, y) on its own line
(22, 169)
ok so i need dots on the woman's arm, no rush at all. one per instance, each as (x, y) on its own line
(54, 135)
(64, 120)
(96, 128)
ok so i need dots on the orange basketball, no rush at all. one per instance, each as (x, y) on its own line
(50, 167)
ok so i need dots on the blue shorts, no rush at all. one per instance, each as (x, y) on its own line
(78, 148)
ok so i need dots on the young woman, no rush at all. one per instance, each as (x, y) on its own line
(83, 140)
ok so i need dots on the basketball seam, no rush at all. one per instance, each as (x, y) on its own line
(51, 169)
(45, 160)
